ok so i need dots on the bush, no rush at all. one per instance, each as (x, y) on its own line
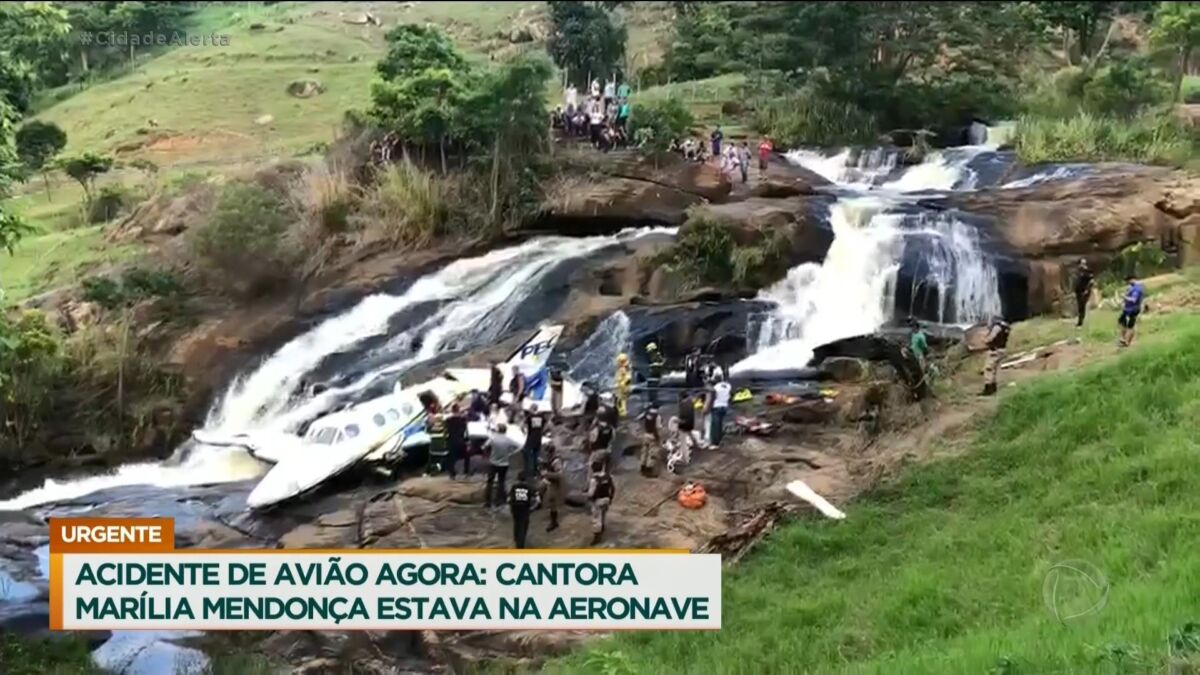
(657, 123)
(31, 363)
(1149, 138)
(1125, 88)
(326, 195)
(1141, 260)
(705, 253)
(810, 119)
(110, 202)
(135, 284)
(408, 205)
(244, 245)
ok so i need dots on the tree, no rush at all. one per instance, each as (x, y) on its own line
(584, 41)
(423, 107)
(1177, 27)
(12, 228)
(30, 37)
(84, 168)
(1080, 18)
(38, 143)
(413, 49)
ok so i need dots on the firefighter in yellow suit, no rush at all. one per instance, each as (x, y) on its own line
(624, 382)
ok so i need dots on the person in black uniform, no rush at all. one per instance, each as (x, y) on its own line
(516, 386)
(556, 393)
(654, 373)
(591, 403)
(496, 385)
(686, 413)
(535, 426)
(1084, 281)
(456, 441)
(691, 369)
(520, 501)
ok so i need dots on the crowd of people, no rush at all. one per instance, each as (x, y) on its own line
(734, 158)
(602, 117)
(593, 428)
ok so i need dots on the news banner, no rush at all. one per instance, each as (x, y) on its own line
(116, 574)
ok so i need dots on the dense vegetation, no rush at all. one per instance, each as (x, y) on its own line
(828, 73)
(945, 570)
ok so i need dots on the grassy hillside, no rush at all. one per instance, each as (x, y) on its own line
(945, 569)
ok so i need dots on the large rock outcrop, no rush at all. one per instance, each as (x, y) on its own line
(1054, 224)
(609, 191)
(801, 219)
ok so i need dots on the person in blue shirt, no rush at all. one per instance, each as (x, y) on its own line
(1134, 294)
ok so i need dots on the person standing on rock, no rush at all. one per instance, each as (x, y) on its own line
(496, 385)
(553, 490)
(765, 148)
(743, 151)
(716, 137)
(651, 441)
(691, 369)
(624, 380)
(601, 491)
(435, 426)
(516, 386)
(556, 393)
(722, 391)
(997, 342)
(1134, 294)
(535, 427)
(1085, 280)
(456, 441)
(520, 502)
(501, 448)
(655, 373)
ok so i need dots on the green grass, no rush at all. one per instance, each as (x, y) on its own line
(942, 570)
(704, 98)
(62, 656)
(47, 261)
(1149, 138)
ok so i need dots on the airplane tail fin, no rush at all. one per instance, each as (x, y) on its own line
(533, 357)
(534, 354)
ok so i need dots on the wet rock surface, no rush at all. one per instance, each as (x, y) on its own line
(365, 510)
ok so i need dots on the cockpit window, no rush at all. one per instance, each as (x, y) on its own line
(324, 436)
(406, 409)
(392, 415)
(351, 430)
(379, 420)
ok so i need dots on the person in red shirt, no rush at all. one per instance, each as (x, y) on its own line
(764, 153)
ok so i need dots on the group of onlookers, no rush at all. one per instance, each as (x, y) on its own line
(603, 117)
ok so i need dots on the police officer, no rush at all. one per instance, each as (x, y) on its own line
(601, 491)
(552, 484)
(535, 427)
(556, 393)
(650, 441)
(655, 372)
(997, 341)
(520, 502)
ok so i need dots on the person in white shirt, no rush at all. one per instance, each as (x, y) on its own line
(572, 97)
(595, 89)
(610, 92)
(722, 391)
(596, 114)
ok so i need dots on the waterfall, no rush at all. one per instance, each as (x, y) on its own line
(862, 168)
(850, 293)
(952, 264)
(593, 360)
(477, 299)
(942, 170)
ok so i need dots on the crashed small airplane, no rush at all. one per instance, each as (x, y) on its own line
(384, 428)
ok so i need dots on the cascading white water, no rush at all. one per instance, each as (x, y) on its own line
(850, 293)
(941, 170)
(1060, 172)
(955, 267)
(862, 169)
(599, 351)
(479, 297)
